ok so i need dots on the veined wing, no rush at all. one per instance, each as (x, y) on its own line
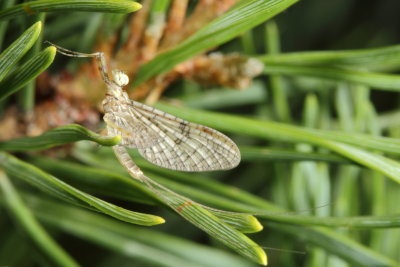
(134, 132)
(185, 146)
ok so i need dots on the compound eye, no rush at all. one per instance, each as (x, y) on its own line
(120, 78)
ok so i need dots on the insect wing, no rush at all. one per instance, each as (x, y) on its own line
(134, 132)
(186, 146)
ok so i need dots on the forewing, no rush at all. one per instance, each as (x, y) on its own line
(186, 146)
(133, 130)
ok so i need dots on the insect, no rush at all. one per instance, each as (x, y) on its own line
(161, 138)
(172, 143)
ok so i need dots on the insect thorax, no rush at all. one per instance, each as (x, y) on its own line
(115, 98)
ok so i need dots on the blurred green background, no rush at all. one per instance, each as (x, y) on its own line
(318, 134)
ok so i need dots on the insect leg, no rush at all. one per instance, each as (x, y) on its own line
(98, 55)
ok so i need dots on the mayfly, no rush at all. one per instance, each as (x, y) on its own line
(172, 143)
(161, 138)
